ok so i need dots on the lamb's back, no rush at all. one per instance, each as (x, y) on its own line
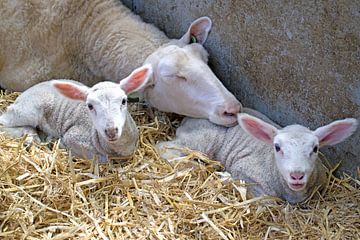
(248, 159)
(50, 111)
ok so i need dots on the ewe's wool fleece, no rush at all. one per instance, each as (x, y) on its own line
(72, 39)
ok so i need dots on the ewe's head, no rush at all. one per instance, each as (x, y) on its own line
(183, 78)
(107, 101)
(296, 147)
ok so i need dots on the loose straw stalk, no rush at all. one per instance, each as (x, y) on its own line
(45, 194)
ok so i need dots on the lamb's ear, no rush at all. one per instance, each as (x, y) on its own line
(71, 90)
(336, 131)
(137, 79)
(257, 128)
(198, 31)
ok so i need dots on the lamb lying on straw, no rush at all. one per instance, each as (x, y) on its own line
(46, 194)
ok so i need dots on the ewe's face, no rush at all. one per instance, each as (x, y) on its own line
(184, 84)
(295, 154)
(107, 104)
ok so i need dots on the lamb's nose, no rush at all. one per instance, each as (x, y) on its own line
(297, 175)
(111, 132)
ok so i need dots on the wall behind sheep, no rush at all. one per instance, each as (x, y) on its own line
(297, 62)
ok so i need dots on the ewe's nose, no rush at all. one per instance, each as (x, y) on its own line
(230, 109)
(297, 176)
(111, 133)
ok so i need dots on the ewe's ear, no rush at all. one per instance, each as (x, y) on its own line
(198, 31)
(336, 131)
(71, 90)
(137, 79)
(257, 128)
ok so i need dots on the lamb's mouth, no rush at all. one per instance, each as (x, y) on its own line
(296, 186)
(112, 140)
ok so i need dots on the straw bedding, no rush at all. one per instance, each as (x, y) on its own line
(47, 194)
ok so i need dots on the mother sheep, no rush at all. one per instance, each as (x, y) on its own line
(97, 40)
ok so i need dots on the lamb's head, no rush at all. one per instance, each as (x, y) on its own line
(183, 82)
(296, 147)
(107, 101)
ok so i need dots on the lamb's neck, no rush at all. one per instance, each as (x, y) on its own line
(116, 41)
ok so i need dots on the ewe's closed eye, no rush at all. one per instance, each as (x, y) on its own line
(175, 77)
(181, 78)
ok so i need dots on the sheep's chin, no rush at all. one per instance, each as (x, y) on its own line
(227, 121)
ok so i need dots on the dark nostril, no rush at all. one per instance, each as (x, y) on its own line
(297, 176)
(230, 109)
(228, 114)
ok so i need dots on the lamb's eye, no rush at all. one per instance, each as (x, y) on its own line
(316, 148)
(277, 147)
(90, 106)
(124, 101)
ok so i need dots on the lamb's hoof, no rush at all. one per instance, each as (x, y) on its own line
(31, 139)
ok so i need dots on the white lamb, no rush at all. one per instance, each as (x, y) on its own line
(281, 162)
(101, 39)
(92, 122)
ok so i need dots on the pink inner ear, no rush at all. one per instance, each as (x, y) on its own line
(335, 133)
(70, 91)
(135, 81)
(196, 30)
(199, 31)
(257, 130)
